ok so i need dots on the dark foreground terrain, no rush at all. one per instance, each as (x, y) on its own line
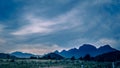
(37, 63)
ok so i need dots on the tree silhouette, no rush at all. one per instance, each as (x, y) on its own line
(87, 57)
(72, 58)
(49, 57)
(33, 57)
(81, 58)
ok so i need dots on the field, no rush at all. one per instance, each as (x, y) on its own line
(37, 63)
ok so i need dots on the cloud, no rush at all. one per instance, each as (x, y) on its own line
(2, 45)
(105, 41)
(39, 49)
(36, 24)
(96, 42)
(84, 20)
(67, 24)
(2, 27)
(2, 41)
(73, 18)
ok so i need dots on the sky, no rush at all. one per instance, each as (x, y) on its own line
(43, 26)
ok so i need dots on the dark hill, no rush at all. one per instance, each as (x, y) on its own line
(110, 57)
(86, 49)
(52, 56)
(105, 49)
(6, 56)
(21, 54)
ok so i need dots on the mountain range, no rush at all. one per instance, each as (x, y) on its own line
(8, 56)
(86, 49)
(52, 56)
(109, 57)
(77, 53)
(22, 55)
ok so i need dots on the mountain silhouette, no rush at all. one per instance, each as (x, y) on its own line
(21, 54)
(105, 49)
(6, 56)
(86, 49)
(108, 57)
(52, 56)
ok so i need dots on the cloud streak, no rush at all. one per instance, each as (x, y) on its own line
(66, 24)
(36, 24)
(38, 48)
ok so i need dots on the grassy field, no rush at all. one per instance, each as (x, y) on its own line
(37, 63)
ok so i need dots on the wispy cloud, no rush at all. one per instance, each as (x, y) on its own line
(36, 24)
(65, 23)
(2, 41)
(2, 27)
(39, 49)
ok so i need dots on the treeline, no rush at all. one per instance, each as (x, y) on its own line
(107, 57)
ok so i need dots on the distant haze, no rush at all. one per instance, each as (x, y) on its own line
(43, 26)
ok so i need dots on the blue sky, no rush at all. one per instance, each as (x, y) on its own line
(42, 26)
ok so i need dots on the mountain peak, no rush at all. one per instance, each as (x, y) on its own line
(21, 54)
(87, 47)
(56, 52)
(73, 49)
(52, 56)
(105, 47)
(63, 51)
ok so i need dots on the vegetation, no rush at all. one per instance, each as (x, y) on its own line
(53, 60)
(72, 58)
(66, 63)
